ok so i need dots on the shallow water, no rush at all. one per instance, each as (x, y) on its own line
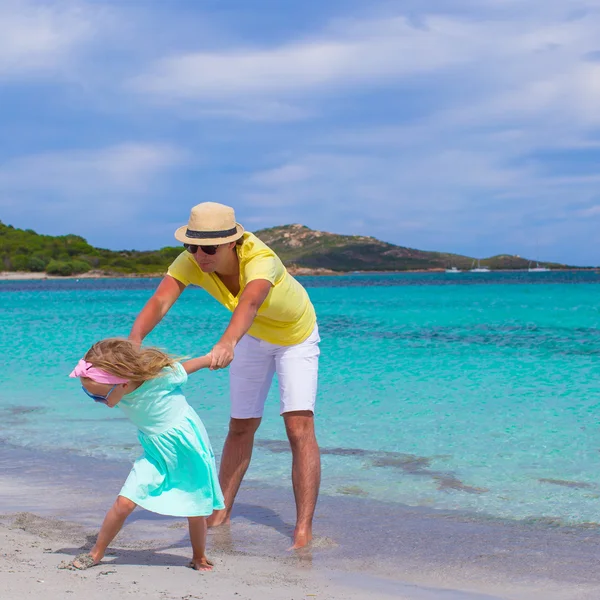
(476, 393)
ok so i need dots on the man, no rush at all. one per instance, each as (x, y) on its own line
(273, 329)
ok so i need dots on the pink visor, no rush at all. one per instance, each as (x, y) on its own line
(87, 369)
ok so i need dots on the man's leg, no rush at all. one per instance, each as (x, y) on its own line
(250, 377)
(306, 471)
(297, 369)
(235, 460)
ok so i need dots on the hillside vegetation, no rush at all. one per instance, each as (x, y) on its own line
(297, 245)
(303, 247)
(26, 250)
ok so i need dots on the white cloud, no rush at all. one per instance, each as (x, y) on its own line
(387, 194)
(352, 53)
(264, 111)
(592, 211)
(455, 195)
(376, 51)
(285, 174)
(128, 167)
(96, 193)
(38, 38)
(75, 180)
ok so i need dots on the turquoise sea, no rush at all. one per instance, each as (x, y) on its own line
(473, 392)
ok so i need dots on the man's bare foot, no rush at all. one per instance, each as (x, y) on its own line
(80, 563)
(302, 537)
(219, 517)
(201, 564)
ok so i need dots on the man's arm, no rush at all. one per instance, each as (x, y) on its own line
(254, 294)
(156, 308)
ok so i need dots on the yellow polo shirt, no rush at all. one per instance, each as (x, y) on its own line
(287, 316)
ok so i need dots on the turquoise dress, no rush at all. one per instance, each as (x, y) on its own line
(176, 475)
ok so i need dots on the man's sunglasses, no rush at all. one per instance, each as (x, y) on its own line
(97, 397)
(192, 249)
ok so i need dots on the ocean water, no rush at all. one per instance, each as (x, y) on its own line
(475, 392)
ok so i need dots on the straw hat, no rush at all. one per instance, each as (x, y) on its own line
(210, 224)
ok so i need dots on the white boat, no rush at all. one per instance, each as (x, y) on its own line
(538, 269)
(479, 268)
(453, 270)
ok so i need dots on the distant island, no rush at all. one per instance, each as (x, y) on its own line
(303, 251)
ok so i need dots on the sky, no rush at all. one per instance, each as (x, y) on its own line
(467, 126)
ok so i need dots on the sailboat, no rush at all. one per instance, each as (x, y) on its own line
(479, 268)
(453, 270)
(537, 268)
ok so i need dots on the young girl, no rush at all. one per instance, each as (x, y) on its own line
(176, 475)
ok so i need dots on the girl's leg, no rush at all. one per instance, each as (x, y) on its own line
(113, 521)
(198, 538)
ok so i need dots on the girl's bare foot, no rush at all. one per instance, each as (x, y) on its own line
(201, 564)
(80, 563)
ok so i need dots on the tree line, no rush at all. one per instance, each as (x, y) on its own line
(26, 250)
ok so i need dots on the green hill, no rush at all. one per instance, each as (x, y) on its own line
(297, 245)
(300, 246)
(26, 250)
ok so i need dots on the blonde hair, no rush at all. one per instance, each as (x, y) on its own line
(125, 359)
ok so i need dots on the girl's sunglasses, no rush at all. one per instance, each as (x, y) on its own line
(97, 397)
(192, 249)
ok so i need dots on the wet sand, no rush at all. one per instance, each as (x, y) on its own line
(52, 505)
(31, 548)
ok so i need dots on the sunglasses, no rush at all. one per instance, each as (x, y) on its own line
(97, 397)
(192, 249)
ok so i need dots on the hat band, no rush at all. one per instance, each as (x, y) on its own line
(210, 234)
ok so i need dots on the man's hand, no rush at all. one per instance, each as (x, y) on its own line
(221, 355)
(254, 294)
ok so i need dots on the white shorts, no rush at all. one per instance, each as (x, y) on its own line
(254, 364)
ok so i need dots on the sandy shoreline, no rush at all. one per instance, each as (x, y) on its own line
(30, 276)
(25, 276)
(52, 504)
(297, 272)
(32, 548)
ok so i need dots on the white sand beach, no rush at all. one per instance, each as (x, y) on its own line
(33, 547)
(21, 276)
(51, 508)
(31, 276)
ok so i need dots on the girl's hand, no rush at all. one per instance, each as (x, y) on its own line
(195, 364)
(221, 355)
